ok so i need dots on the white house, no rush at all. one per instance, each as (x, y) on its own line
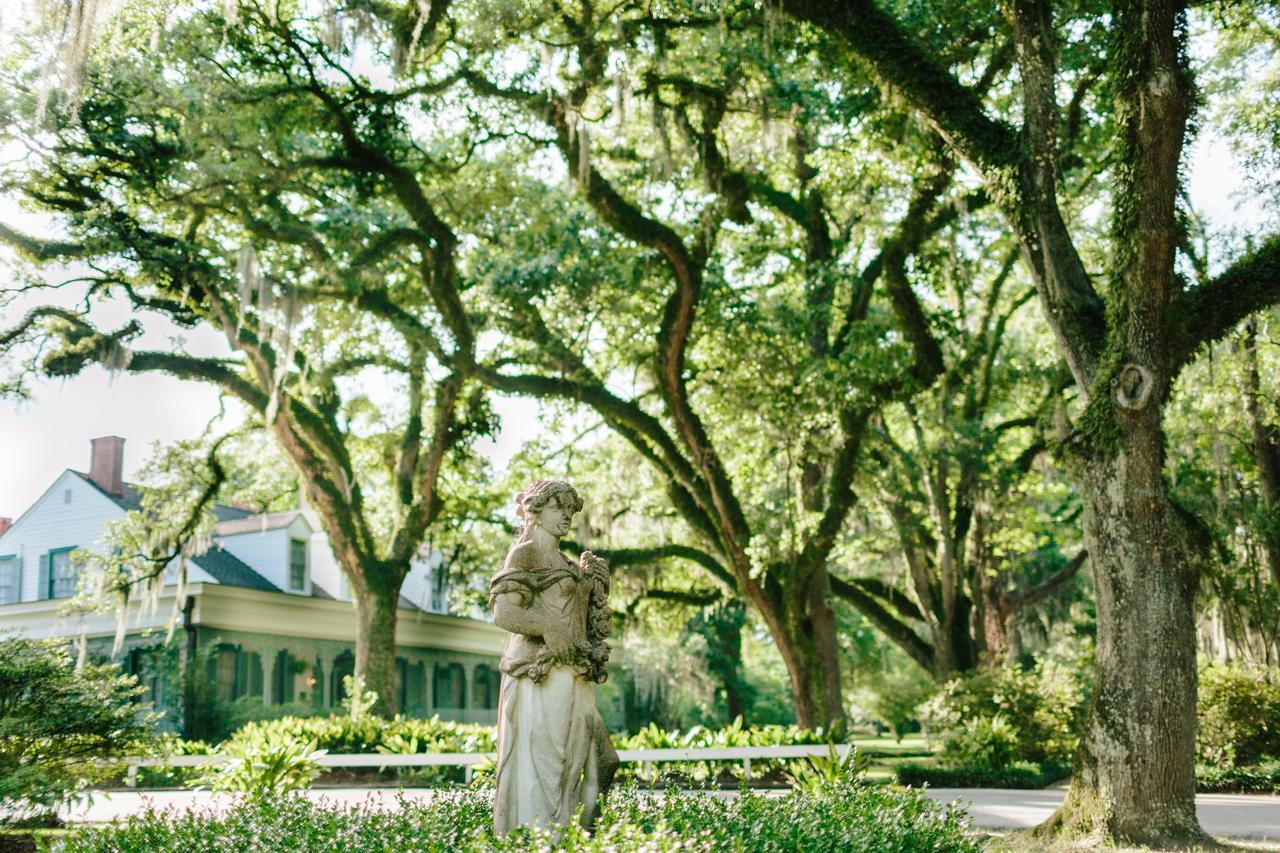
(270, 607)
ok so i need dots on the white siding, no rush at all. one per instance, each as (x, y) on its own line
(324, 568)
(267, 551)
(52, 522)
(264, 551)
(420, 584)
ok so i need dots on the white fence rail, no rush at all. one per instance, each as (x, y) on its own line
(468, 760)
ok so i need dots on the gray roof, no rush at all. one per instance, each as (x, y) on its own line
(256, 522)
(229, 569)
(132, 500)
(222, 512)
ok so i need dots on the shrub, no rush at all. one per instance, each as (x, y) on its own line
(264, 767)
(734, 734)
(858, 817)
(61, 727)
(1238, 714)
(406, 736)
(1262, 778)
(1044, 706)
(817, 773)
(895, 699)
(982, 743)
(1024, 775)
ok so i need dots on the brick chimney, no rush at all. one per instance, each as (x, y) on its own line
(5, 524)
(106, 467)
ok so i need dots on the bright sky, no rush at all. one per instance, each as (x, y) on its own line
(41, 437)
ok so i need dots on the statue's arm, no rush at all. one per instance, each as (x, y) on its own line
(530, 616)
(532, 620)
(510, 615)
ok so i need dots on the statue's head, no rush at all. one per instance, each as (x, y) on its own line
(549, 504)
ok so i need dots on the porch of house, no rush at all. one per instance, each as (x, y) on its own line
(301, 675)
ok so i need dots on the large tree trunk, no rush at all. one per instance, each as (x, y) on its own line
(1134, 780)
(376, 643)
(807, 639)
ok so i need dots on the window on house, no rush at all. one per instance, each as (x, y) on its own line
(8, 579)
(297, 565)
(224, 663)
(449, 687)
(145, 663)
(485, 684)
(343, 665)
(62, 576)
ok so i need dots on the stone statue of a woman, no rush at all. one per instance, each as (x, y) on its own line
(554, 753)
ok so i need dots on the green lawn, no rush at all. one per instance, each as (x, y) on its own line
(886, 754)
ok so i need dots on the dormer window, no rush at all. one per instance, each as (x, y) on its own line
(297, 565)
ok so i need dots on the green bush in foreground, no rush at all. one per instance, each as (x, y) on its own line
(61, 728)
(845, 818)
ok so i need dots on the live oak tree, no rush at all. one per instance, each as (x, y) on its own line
(1125, 331)
(968, 513)
(755, 342)
(240, 185)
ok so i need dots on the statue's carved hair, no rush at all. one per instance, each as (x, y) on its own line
(540, 494)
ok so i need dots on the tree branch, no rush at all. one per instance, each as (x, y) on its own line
(1208, 311)
(895, 629)
(38, 249)
(1042, 590)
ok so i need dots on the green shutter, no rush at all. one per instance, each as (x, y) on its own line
(255, 675)
(241, 684)
(45, 581)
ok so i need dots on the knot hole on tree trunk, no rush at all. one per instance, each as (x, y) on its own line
(1133, 386)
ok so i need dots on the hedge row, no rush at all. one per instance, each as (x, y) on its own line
(838, 818)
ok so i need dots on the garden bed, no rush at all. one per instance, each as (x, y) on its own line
(847, 817)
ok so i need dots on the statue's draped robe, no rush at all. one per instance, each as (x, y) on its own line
(551, 737)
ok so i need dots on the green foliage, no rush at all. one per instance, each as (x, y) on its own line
(858, 817)
(263, 767)
(404, 736)
(1041, 709)
(62, 728)
(358, 702)
(818, 773)
(1237, 715)
(981, 743)
(342, 733)
(734, 734)
(896, 697)
(1024, 775)
(1261, 778)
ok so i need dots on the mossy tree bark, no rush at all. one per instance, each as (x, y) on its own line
(1135, 781)
(376, 612)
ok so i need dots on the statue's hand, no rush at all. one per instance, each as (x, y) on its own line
(591, 565)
